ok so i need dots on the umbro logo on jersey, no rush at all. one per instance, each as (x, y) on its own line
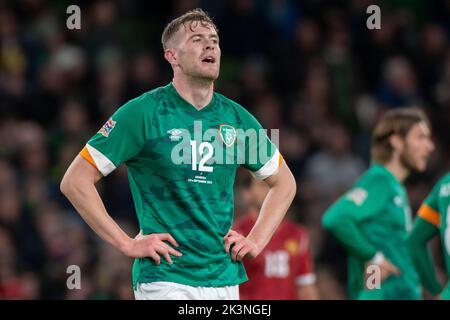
(107, 128)
(175, 134)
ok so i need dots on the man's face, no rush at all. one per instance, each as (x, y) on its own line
(197, 51)
(417, 147)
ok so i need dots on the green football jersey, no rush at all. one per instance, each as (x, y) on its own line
(436, 210)
(375, 216)
(181, 168)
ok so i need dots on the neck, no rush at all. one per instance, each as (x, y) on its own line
(197, 92)
(397, 169)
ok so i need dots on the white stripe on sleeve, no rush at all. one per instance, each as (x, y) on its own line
(104, 165)
(269, 168)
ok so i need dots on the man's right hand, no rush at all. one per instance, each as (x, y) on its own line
(152, 246)
(387, 268)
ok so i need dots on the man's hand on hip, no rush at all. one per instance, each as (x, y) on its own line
(152, 246)
(240, 246)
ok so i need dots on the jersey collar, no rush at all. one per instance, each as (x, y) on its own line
(181, 102)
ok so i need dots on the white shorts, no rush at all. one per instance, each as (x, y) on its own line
(163, 290)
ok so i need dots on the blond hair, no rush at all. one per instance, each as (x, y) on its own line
(189, 17)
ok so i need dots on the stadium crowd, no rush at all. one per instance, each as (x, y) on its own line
(309, 68)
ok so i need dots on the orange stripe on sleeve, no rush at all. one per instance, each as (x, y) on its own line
(280, 160)
(86, 155)
(429, 214)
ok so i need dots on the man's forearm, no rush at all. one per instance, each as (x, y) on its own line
(347, 231)
(83, 195)
(273, 210)
(87, 202)
(421, 256)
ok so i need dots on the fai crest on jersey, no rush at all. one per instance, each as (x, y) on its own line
(228, 134)
(107, 127)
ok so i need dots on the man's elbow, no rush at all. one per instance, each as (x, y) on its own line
(67, 185)
(328, 221)
(292, 187)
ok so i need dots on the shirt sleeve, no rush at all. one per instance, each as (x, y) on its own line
(429, 210)
(343, 219)
(305, 272)
(422, 232)
(262, 157)
(120, 139)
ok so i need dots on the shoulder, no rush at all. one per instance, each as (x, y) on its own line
(374, 177)
(146, 103)
(444, 180)
(442, 187)
(232, 106)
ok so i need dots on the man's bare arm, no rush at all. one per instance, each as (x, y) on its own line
(282, 190)
(78, 185)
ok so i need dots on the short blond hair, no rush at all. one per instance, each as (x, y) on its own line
(189, 17)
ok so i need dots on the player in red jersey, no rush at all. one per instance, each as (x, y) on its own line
(284, 269)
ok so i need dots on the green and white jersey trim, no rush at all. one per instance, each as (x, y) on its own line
(103, 164)
(270, 168)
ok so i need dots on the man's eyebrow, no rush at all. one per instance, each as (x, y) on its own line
(203, 35)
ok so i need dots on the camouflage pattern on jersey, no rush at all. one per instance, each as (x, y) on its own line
(181, 168)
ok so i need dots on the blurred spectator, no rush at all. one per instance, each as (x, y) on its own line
(400, 87)
(284, 269)
(334, 168)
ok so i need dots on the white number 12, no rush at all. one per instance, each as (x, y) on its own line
(206, 157)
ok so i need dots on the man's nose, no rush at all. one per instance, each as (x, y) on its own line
(210, 46)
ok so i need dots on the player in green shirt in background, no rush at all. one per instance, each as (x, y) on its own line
(372, 220)
(433, 218)
(182, 144)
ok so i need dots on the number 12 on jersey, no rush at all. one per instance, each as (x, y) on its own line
(205, 156)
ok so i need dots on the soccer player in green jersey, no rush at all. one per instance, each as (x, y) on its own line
(432, 219)
(182, 144)
(372, 220)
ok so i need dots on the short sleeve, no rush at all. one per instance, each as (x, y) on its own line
(119, 139)
(429, 210)
(262, 157)
(366, 199)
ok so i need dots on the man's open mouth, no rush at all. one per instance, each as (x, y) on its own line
(209, 60)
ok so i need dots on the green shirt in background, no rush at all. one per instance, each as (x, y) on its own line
(374, 216)
(432, 219)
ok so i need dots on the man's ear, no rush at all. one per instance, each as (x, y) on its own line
(170, 56)
(397, 142)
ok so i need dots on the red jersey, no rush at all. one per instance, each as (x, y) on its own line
(283, 265)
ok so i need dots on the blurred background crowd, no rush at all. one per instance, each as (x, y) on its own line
(310, 68)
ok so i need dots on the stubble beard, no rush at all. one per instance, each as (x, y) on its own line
(406, 160)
